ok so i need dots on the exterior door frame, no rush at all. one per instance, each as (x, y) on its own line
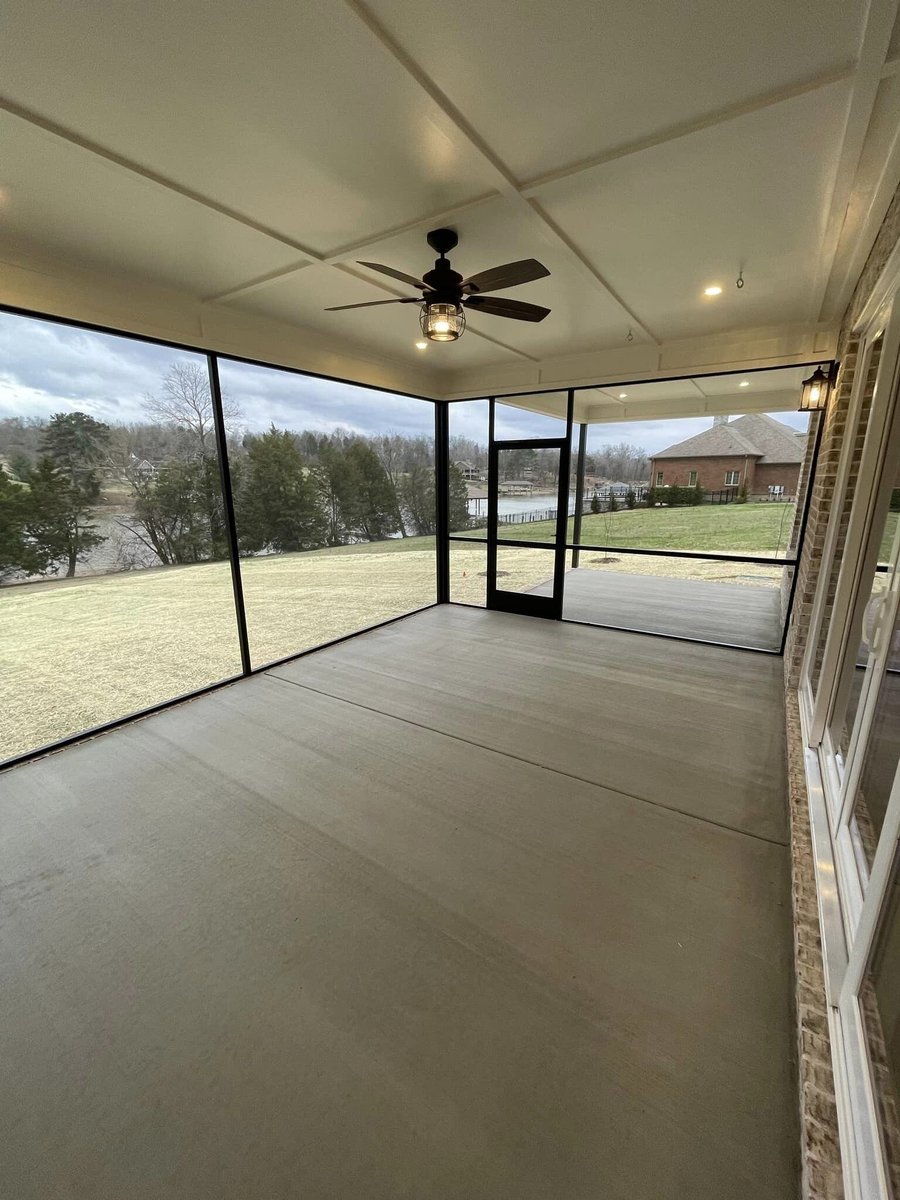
(548, 607)
(526, 603)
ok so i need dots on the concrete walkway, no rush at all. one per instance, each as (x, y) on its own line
(474, 907)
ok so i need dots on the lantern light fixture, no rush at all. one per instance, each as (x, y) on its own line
(814, 391)
(442, 322)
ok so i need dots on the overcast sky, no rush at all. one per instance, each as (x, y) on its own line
(47, 368)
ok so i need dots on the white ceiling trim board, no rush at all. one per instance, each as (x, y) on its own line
(878, 27)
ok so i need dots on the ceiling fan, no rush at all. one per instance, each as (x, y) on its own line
(446, 295)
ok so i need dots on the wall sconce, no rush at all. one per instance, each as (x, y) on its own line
(814, 391)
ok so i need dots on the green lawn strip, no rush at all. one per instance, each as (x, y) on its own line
(734, 528)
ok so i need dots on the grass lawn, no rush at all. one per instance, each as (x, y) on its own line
(75, 653)
(725, 528)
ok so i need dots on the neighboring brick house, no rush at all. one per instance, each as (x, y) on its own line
(755, 451)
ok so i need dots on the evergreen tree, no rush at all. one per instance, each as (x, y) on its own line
(279, 502)
(335, 486)
(179, 513)
(19, 554)
(58, 515)
(595, 504)
(416, 492)
(371, 509)
(458, 499)
(77, 445)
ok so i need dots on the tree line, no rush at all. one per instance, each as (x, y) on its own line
(292, 491)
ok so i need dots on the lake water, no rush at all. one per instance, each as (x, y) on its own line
(509, 505)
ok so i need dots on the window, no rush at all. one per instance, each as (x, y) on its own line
(732, 478)
(659, 478)
(692, 479)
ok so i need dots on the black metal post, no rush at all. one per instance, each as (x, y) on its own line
(442, 499)
(492, 507)
(807, 501)
(562, 515)
(215, 388)
(579, 492)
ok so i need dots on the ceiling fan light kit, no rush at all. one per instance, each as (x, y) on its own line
(446, 294)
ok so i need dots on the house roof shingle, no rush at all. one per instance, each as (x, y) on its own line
(755, 436)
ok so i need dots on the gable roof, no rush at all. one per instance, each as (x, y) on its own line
(754, 436)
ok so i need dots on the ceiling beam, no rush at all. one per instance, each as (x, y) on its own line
(543, 183)
(459, 128)
(153, 177)
(875, 39)
(782, 400)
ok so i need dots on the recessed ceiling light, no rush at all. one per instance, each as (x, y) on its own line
(744, 383)
(623, 395)
(421, 345)
(714, 290)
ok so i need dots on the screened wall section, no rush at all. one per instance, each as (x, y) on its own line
(171, 519)
(682, 503)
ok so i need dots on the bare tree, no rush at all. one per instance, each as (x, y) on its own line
(185, 401)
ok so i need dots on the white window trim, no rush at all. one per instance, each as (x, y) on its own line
(692, 479)
(734, 482)
(659, 479)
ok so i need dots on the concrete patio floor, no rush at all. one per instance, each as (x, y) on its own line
(730, 613)
(472, 906)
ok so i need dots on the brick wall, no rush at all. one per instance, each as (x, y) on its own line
(784, 474)
(710, 471)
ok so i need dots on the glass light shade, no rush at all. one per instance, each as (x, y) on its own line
(443, 322)
(814, 391)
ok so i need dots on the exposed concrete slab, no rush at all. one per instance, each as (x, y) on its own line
(731, 613)
(697, 728)
(273, 944)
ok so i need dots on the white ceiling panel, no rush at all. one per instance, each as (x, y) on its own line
(781, 380)
(679, 389)
(664, 224)
(550, 84)
(290, 112)
(97, 215)
(391, 330)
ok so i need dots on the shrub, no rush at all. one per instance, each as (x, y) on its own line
(698, 494)
(742, 496)
(613, 503)
(630, 498)
(595, 503)
(650, 497)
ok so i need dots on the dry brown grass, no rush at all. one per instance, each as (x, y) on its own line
(76, 653)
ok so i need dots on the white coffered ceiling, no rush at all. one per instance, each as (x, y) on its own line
(247, 156)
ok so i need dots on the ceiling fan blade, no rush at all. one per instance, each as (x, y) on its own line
(509, 275)
(410, 279)
(499, 306)
(372, 303)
